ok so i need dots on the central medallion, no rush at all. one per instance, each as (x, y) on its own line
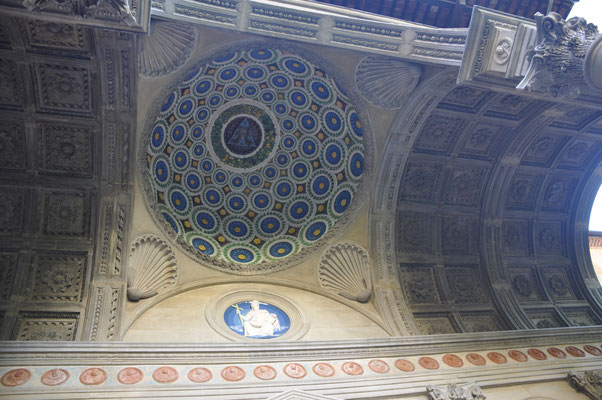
(243, 135)
(253, 158)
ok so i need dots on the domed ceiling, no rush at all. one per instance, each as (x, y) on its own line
(253, 159)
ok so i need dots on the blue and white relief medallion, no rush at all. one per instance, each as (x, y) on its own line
(258, 320)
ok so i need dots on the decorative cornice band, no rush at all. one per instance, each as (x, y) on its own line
(331, 26)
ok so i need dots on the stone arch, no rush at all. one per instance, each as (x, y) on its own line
(475, 190)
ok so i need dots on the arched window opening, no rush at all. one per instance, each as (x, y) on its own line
(595, 234)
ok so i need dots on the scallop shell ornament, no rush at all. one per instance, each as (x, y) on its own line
(386, 82)
(345, 269)
(168, 46)
(152, 267)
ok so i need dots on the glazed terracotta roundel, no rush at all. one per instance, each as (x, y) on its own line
(254, 157)
(324, 370)
(16, 377)
(405, 365)
(55, 377)
(200, 375)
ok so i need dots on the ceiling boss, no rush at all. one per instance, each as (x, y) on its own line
(254, 158)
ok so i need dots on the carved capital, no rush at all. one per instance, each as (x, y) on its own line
(587, 382)
(556, 62)
(468, 391)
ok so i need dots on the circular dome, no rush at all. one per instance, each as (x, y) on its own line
(253, 159)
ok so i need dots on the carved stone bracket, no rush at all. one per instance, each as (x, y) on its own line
(556, 63)
(587, 382)
(557, 60)
(468, 391)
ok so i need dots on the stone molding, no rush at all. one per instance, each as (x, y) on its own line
(377, 364)
(315, 23)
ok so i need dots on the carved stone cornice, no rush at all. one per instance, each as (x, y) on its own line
(259, 370)
(468, 391)
(587, 382)
(331, 26)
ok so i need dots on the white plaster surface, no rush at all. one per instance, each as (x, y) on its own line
(181, 318)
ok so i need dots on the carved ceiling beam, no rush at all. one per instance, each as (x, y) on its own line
(500, 49)
(116, 56)
(331, 26)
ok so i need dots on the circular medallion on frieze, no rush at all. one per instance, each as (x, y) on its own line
(537, 354)
(93, 376)
(405, 365)
(165, 375)
(55, 377)
(323, 369)
(16, 377)
(476, 359)
(200, 375)
(254, 158)
(130, 375)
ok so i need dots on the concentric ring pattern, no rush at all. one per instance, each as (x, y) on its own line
(254, 157)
